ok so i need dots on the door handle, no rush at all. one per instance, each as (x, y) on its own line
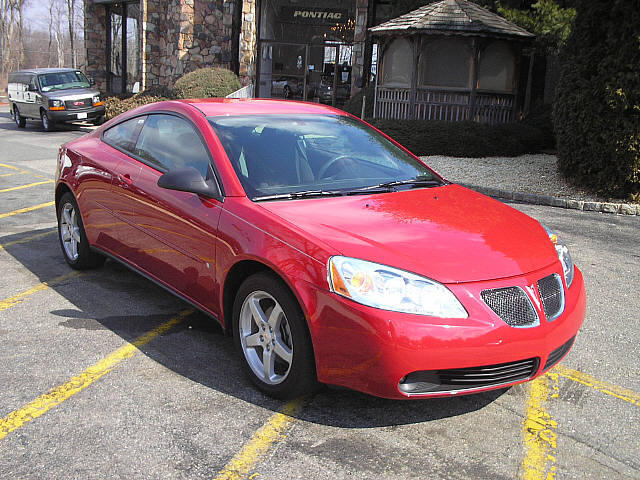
(125, 180)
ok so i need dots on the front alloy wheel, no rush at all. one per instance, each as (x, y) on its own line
(271, 332)
(72, 236)
(47, 124)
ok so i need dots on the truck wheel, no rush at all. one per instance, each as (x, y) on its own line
(47, 124)
(19, 119)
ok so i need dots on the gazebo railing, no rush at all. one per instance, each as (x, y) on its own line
(445, 105)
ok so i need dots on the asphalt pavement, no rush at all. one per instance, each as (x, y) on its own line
(105, 375)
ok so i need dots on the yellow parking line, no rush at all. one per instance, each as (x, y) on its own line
(13, 173)
(539, 432)
(19, 298)
(27, 209)
(27, 239)
(604, 387)
(57, 395)
(271, 432)
(21, 187)
(10, 167)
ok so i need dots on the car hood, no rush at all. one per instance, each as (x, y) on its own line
(449, 233)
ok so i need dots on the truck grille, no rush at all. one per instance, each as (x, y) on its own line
(432, 381)
(78, 104)
(552, 296)
(512, 305)
(559, 353)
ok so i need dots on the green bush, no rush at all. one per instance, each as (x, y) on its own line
(206, 83)
(597, 105)
(463, 139)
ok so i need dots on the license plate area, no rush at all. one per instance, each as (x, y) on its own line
(81, 116)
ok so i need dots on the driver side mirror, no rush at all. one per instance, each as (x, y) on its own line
(32, 88)
(188, 179)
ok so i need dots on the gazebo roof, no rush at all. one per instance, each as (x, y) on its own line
(458, 17)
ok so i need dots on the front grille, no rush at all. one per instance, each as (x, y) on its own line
(512, 305)
(558, 353)
(552, 296)
(433, 381)
(84, 103)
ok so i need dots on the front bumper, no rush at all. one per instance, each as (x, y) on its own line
(373, 351)
(60, 116)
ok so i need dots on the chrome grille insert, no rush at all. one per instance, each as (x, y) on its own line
(78, 104)
(512, 305)
(552, 296)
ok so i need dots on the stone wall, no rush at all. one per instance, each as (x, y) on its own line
(248, 42)
(184, 35)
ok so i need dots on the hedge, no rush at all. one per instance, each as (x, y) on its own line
(597, 105)
(463, 139)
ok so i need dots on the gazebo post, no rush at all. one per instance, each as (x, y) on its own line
(415, 45)
(474, 78)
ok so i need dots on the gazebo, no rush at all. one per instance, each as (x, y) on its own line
(451, 60)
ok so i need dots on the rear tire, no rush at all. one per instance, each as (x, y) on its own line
(47, 124)
(269, 328)
(73, 239)
(19, 119)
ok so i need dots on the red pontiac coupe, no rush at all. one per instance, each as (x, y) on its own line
(330, 252)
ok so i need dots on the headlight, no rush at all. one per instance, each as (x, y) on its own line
(96, 100)
(56, 104)
(388, 288)
(563, 254)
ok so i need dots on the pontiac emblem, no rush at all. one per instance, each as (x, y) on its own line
(533, 295)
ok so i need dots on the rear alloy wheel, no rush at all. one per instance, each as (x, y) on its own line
(47, 124)
(19, 119)
(271, 332)
(73, 239)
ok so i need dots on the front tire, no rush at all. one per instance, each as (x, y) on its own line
(47, 124)
(73, 239)
(270, 332)
(19, 119)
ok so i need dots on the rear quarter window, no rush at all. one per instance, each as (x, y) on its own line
(123, 136)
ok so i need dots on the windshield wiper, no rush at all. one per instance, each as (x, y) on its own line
(389, 186)
(296, 195)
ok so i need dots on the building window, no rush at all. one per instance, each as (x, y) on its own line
(398, 64)
(496, 68)
(123, 56)
(446, 63)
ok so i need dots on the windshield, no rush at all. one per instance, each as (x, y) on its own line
(308, 155)
(62, 81)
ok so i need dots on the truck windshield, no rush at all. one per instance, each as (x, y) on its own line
(62, 81)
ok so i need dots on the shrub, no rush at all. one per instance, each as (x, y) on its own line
(207, 82)
(115, 105)
(354, 104)
(463, 139)
(597, 105)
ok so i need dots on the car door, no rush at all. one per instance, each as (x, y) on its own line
(30, 108)
(116, 223)
(177, 231)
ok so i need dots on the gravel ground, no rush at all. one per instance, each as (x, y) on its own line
(527, 174)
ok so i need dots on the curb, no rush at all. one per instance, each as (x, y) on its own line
(548, 200)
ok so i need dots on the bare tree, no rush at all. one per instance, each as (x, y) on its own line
(71, 12)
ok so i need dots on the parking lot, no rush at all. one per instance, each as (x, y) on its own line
(105, 375)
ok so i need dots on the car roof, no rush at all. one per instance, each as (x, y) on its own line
(46, 70)
(211, 107)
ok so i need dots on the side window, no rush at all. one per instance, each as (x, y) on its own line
(169, 142)
(123, 136)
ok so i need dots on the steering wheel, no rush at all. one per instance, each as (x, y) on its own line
(326, 166)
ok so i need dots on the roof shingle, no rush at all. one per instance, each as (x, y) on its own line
(460, 17)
